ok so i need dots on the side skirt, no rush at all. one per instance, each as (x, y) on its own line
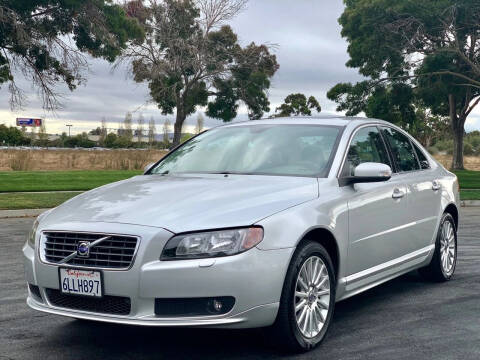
(369, 278)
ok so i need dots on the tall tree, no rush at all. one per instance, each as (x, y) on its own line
(45, 41)
(127, 123)
(200, 123)
(151, 131)
(103, 131)
(166, 132)
(42, 134)
(429, 46)
(298, 104)
(191, 58)
(140, 124)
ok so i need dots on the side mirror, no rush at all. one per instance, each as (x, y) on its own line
(148, 167)
(366, 173)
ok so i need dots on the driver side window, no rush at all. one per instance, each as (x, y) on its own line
(366, 146)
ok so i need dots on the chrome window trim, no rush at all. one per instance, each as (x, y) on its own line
(41, 253)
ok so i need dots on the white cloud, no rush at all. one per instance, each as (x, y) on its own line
(309, 49)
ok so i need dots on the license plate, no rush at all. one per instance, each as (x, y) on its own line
(81, 282)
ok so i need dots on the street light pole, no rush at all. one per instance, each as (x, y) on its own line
(69, 126)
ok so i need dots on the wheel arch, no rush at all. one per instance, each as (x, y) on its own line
(452, 210)
(325, 238)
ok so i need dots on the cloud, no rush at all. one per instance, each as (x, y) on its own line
(305, 36)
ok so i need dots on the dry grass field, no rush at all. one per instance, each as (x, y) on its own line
(71, 159)
(470, 162)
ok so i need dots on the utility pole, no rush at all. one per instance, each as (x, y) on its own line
(69, 126)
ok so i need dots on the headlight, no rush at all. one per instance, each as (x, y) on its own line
(33, 234)
(212, 243)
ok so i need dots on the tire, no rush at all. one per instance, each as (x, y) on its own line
(288, 331)
(444, 260)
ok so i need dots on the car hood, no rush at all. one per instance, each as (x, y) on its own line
(186, 202)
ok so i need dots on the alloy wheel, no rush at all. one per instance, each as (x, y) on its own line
(312, 297)
(447, 248)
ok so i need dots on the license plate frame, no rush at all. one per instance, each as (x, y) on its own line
(82, 294)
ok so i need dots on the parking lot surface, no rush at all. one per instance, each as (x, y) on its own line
(407, 318)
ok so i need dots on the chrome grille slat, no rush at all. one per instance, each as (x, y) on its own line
(116, 252)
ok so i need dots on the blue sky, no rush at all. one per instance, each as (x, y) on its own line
(308, 45)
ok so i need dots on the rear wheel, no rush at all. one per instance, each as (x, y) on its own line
(308, 299)
(444, 260)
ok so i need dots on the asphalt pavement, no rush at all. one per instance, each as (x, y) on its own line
(407, 318)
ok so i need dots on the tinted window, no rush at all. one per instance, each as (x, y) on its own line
(366, 146)
(424, 164)
(300, 150)
(402, 150)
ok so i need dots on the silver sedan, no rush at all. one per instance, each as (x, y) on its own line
(259, 224)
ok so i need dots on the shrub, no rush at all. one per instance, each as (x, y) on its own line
(445, 145)
(468, 149)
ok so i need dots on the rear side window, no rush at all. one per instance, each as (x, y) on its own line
(424, 164)
(366, 146)
(402, 150)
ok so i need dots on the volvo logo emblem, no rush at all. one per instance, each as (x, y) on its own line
(83, 249)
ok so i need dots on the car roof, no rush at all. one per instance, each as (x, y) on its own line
(336, 120)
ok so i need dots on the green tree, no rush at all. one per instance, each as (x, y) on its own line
(110, 140)
(191, 58)
(428, 47)
(45, 41)
(12, 136)
(298, 104)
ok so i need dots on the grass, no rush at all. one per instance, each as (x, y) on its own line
(468, 179)
(15, 201)
(14, 182)
(470, 194)
(12, 201)
(78, 180)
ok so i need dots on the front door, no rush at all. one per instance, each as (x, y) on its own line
(377, 211)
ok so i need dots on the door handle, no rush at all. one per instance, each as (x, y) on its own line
(436, 185)
(397, 193)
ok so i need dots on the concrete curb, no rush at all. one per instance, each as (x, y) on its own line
(5, 214)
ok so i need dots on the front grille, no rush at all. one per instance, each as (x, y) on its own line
(116, 305)
(117, 252)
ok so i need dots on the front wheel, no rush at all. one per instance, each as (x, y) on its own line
(308, 299)
(444, 259)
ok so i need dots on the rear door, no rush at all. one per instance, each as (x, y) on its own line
(423, 189)
(377, 211)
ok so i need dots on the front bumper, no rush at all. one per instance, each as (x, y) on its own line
(254, 278)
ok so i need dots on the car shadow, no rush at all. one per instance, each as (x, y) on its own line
(92, 340)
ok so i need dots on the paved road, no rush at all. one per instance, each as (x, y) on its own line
(406, 318)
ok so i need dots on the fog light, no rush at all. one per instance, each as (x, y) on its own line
(194, 306)
(217, 305)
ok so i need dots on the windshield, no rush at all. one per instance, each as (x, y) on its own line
(296, 150)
